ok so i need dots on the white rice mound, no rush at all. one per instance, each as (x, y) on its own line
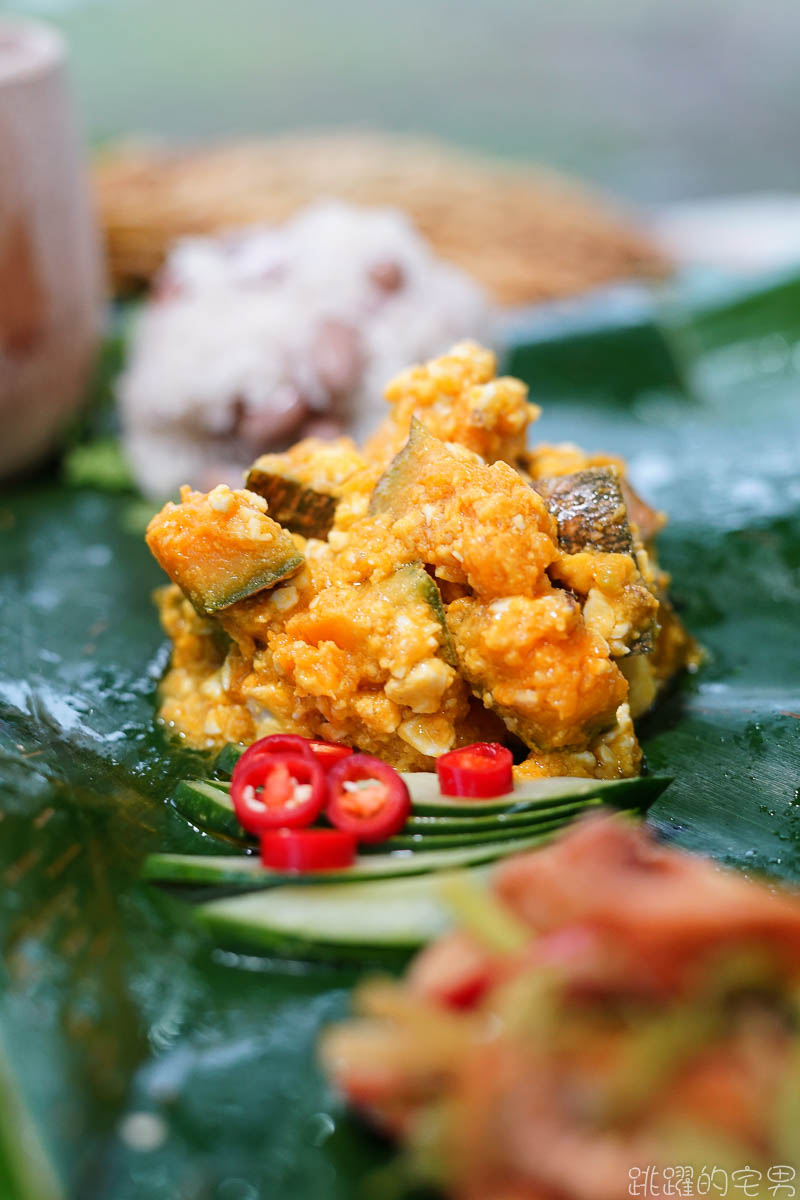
(299, 327)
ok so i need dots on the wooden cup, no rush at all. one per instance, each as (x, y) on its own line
(51, 281)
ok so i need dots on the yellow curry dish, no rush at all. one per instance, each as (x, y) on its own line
(441, 586)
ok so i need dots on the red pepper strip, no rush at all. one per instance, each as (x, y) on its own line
(274, 790)
(307, 849)
(482, 769)
(328, 753)
(455, 971)
(276, 743)
(367, 797)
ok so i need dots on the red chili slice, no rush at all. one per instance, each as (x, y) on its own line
(482, 769)
(307, 849)
(367, 797)
(328, 753)
(276, 743)
(274, 790)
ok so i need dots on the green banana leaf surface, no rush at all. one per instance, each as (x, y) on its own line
(139, 1059)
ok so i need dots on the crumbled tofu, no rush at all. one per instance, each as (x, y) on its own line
(598, 614)
(221, 498)
(430, 737)
(254, 500)
(423, 687)
(257, 530)
(284, 598)
(212, 725)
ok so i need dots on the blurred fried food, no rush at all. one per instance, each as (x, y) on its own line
(526, 234)
(607, 1002)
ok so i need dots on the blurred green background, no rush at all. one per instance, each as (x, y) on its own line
(655, 99)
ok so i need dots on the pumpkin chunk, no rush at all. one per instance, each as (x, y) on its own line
(221, 547)
(589, 509)
(293, 505)
(303, 485)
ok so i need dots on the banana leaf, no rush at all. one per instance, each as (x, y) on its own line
(141, 1060)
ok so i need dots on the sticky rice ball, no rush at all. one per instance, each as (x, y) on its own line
(256, 338)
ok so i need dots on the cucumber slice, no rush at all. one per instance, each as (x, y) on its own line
(208, 805)
(421, 842)
(217, 870)
(356, 921)
(227, 759)
(427, 800)
(489, 822)
(478, 826)
(245, 870)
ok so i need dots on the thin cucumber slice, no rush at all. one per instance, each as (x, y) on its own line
(490, 822)
(211, 809)
(354, 922)
(427, 800)
(217, 870)
(243, 870)
(423, 842)
(208, 806)
(228, 757)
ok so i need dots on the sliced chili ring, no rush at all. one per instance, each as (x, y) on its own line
(276, 743)
(307, 849)
(367, 797)
(275, 790)
(328, 754)
(480, 770)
